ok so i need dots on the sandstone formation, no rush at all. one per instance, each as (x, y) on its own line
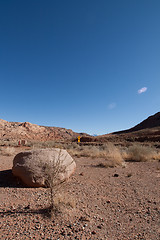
(33, 167)
(28, 131)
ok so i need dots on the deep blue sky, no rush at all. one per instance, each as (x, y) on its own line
(80, 64)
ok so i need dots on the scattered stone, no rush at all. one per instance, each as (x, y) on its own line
(69, 226)
(99, 226)
(116, 175)
(81, 174)
(84, 219)
(27, 207)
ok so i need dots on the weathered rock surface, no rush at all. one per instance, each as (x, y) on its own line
(32, 167)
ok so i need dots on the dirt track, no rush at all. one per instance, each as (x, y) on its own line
(112, 204)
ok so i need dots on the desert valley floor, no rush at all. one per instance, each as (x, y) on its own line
(101, 203)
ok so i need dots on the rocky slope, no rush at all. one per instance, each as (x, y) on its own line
(29, 131)
(146, 131)
(151, 122)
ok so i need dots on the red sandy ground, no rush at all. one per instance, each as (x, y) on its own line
(108, 206)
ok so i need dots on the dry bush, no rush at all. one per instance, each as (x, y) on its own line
(109, 152)
(52, 171)
(114, 156)
(140, 153)
(44, 144)
(83, 151)
(39, 144)
(9, 143)
(8, 151)
(156, 155)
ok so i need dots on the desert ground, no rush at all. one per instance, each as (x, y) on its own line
(111, 203)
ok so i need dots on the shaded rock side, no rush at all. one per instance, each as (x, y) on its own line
(30, 166)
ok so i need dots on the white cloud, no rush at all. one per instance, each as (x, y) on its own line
(112, 105)
(142, 90)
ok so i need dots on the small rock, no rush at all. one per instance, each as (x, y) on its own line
(63, 233)
(84, 219)
(69, 226)
(27, 207)
(81, 174)
(116, 175)
(99, 226)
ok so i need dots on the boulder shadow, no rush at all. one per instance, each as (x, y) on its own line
(7, 179)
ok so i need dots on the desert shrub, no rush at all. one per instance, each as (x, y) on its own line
(52, 171)
(84, 151)
(109, 152)
(114, 156)
(38, 144)
(9, 143)
(44, 144)
(156, 155)
(7, 151)
(140, 153)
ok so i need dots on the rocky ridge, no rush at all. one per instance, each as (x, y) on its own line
(151, 122)
(29, 131)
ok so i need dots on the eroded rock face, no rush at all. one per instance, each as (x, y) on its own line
(30, 166)
(28, 131)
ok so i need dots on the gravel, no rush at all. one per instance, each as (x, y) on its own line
(111, 204)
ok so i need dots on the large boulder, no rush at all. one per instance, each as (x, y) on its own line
(36, 167)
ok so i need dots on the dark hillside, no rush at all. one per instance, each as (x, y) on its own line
(151, 122)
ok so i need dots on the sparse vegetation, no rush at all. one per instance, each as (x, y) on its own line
(109, 152)
(7, 151)
(52, 171)
(9, 143)
(46, 144)
(112, 155)
(116, 155)
(140, 153)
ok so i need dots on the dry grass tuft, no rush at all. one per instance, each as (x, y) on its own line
(114, 155)
(109, 152)
(140, 153)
